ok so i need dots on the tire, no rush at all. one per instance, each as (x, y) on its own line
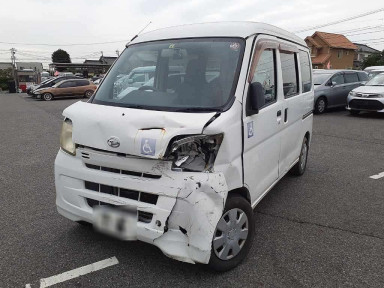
(47, 97)
(301, 165)
(354, 112)
(236, 207)
(88, 94)
(320, 105)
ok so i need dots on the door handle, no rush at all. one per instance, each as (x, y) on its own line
(279, 117)
(286, 115)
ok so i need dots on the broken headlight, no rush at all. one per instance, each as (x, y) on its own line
(195, 153)
(66, 141)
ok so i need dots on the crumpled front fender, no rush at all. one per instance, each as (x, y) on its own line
(193, 219)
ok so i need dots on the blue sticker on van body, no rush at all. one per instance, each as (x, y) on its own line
(250, 129)
(148, 146)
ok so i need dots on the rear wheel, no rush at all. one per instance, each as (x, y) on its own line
(301, 165)
(47, 96)
(88, 93)
(320, 105)
(233, 234)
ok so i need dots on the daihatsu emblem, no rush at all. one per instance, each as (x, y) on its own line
(114, 142)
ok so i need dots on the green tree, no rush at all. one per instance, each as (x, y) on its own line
(5, 76)
(61, 56)
(376, 59)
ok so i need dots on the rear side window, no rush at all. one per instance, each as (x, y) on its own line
(305, 71)
(363, 76)
(290, 75)
(351, 77)
(265, 74)
(82, 83)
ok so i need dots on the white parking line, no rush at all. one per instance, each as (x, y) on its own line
(378, 176)
(46, 282)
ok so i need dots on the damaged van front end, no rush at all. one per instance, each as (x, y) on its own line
(164, 174)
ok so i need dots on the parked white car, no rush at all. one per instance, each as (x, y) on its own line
(369, 97)
(181, 162)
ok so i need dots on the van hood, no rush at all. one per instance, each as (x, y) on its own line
(144, 133)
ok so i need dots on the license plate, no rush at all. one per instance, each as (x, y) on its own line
(118, 223)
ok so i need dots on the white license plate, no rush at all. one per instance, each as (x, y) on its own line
(118, 223)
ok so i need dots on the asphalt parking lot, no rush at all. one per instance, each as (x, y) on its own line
(325, 229)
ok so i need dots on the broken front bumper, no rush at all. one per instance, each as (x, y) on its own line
(177, 211)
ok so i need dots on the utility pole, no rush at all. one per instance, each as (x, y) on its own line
(14, 71)
(117, 53)
(102, 57)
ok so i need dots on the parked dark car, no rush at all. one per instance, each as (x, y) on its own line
(52, 82)
(333, 86)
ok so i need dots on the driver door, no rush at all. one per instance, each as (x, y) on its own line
(262, 139)
(65, 89)
(337, 90)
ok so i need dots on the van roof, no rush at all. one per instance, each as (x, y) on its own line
(242, 29)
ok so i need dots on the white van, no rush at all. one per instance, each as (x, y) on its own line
(181, 163)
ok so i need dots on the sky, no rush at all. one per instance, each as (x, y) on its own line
(60, 24)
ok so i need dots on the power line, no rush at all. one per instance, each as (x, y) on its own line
(341, 21)
(72, 44)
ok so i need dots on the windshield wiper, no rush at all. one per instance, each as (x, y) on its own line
(197, 109)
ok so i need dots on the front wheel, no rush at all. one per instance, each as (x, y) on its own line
(47, 96)
(88, 93)
(320, 105)
(301, 165)
(233, 236)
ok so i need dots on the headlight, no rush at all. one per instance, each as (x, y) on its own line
(352, 93)
(194, 153)
(66, 142)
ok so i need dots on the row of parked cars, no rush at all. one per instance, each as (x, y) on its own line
(356, 90)
(62, 86)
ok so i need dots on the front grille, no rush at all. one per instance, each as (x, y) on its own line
(366, 104)
(121, 192)
(142, 216)
(368, 95)
(118, 171)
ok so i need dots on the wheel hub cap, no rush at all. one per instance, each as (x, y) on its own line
(230, 234)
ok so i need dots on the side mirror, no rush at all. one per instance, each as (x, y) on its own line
(255, 98)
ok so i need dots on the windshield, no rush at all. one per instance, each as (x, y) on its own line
(373, 74)
(319, 79)
(378, 80)
(175, 75)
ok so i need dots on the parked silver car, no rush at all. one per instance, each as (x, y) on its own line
(369, 97)
(333, 86)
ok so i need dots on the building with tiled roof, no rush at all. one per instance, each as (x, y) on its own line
(331, 51)
(363, 51)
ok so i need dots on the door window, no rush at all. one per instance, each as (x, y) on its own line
(351, 78)
(67, 84)
(306, 80)
(337, 79)
(290, 74)
(265, 74)
(82, 83)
